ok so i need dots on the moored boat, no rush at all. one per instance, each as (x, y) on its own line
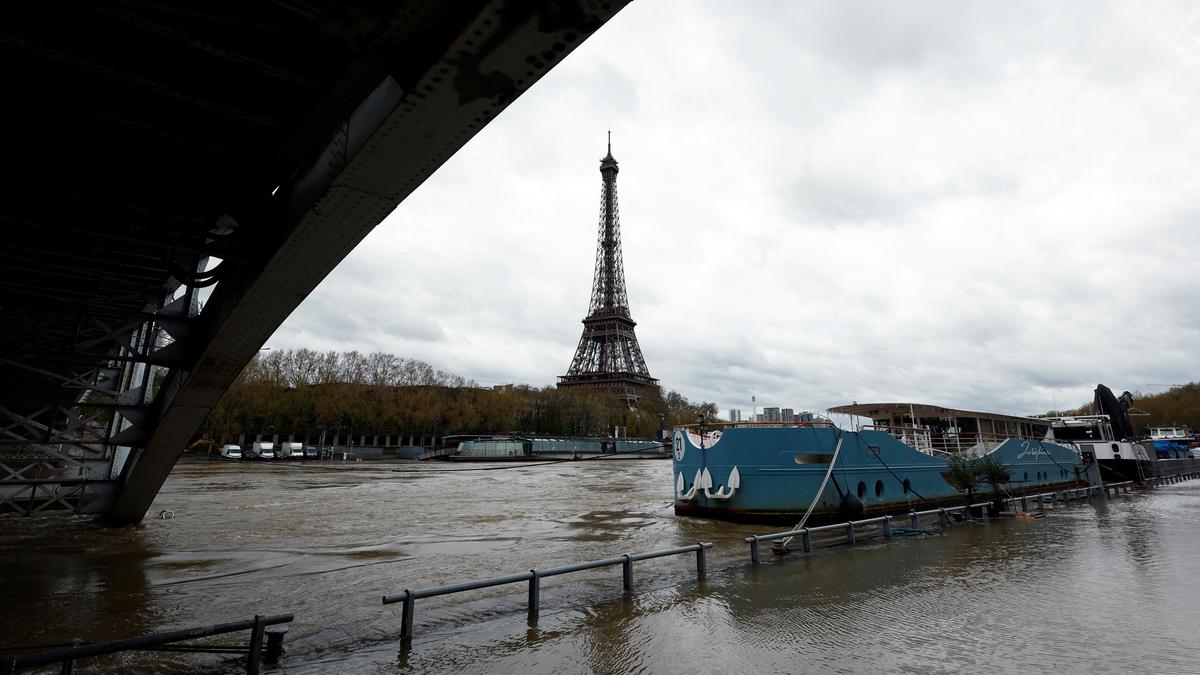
(1173, 442)
(1107, 436)
(515, 448)
(895, 460)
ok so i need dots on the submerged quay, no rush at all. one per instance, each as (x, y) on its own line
(325, 542)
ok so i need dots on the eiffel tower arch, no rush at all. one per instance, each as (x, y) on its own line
(608, 358)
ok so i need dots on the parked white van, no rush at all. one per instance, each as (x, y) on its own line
(262, 450)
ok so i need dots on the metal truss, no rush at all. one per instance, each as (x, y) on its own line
(608, 356)
(608, 280)
(608, 345)
(108, 366)
(67, 456)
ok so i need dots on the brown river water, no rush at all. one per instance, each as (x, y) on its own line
(1099, 587)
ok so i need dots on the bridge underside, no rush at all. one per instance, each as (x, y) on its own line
(179, 179)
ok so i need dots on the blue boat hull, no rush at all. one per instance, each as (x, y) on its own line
(780, 469)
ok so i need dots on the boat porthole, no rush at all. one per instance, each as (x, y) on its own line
(878, 488)
(1115, 448)
(907, 486)
(862, 489)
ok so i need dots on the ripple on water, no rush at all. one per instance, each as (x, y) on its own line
(326, 543)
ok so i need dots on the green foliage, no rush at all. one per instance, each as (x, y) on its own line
(306, 393)
(1177, 405)
(992, 471)
(965, 474)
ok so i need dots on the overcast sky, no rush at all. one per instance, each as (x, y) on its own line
(976, 204)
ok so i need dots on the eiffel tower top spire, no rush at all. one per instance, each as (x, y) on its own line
(608, 356)
(608, 281)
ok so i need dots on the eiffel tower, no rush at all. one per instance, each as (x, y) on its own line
(608, 358)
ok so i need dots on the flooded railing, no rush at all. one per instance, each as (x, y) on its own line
(805, 534)
(943, 514)
(534, 577)
(256, 654)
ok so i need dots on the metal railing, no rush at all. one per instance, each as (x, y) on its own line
(534, 577)
(1173, 478)
(969, 444)
(805, 534)
(255, 655)
(914, 517)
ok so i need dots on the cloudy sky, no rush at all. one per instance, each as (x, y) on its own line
(977, 204)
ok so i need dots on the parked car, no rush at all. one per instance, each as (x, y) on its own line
(230, 451)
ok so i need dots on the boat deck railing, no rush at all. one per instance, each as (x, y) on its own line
(949, 444)
(719, 425)
(534, 577)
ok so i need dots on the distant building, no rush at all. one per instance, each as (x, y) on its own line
(804, 417)
(771, 414)
(758, 417)
(787, 415)
(735, 415)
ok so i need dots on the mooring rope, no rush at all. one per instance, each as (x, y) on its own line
(783, 544)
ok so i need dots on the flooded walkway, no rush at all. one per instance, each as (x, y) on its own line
(1097, 587)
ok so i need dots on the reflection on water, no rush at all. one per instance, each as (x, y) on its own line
(1103, 587)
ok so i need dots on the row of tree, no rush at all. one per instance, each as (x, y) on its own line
(304, 393)
(1178, 405)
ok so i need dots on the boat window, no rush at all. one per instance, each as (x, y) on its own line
(1115, 448)
(862, 489)
(809, 458)
(878, 488)
(1075, 433)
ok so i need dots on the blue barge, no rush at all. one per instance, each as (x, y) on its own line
(515, 448)
(773, 472)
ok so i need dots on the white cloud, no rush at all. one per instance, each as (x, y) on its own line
(974, 204)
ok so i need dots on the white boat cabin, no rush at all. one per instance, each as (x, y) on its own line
(937, 430)
(1172, 433)
(1093, 436)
